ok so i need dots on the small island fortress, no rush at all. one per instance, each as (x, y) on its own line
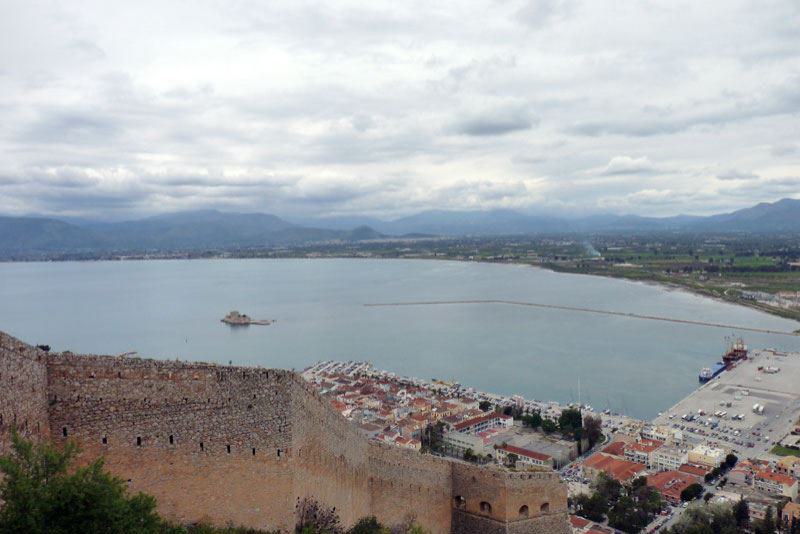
(241, 445)
(234, 318)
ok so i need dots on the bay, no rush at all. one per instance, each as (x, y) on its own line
(172, 309)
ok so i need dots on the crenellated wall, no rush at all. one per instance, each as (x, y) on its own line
(242, 445)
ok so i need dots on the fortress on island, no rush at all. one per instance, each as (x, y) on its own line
(241, 445)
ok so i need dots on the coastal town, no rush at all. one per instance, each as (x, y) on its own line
(734, 439)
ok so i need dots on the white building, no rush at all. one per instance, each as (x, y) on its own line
(525, 457)
(706, 455)
(662, 433)
(460, 442)
(484, 422)
(775, 483)
(668, 458)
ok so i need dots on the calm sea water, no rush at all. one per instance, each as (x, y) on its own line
(170, 309)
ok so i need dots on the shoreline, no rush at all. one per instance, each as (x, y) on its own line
(668, 285)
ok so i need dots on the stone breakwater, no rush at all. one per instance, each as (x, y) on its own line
(242, 445)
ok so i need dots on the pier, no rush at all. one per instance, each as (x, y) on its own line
(582, 310)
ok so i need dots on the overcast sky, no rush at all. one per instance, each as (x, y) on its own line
(119, 109)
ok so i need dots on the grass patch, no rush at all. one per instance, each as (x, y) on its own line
(780, 450)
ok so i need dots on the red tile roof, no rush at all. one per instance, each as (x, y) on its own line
(578, 522)
(671, 483)
(646, 445)
(339, 406)
(695, 470)
(615, 448)
(621, 470)
(480, 419)
(519, 451)
(777, 478)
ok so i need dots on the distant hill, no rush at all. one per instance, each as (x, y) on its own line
(191, 230)
(211, 229)
(25, 234)
(780, 216)
(494, 222)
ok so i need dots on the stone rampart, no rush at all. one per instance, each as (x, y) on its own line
(242, 445)
(23, 390)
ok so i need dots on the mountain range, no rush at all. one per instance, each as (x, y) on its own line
(212, 229)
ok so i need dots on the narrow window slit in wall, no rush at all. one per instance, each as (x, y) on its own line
(228, 448)
(64, 431)
(105, 440)
(254, 451)
(201, 446)
(138, 441)
(171, 439)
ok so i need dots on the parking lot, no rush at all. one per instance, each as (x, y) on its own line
(721, 411)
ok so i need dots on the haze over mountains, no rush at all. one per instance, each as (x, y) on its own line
(212, 229)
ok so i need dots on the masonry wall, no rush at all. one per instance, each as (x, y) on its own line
(489, 501)
(369, 478)
(23, 396)
(209, 442)
(242, 445)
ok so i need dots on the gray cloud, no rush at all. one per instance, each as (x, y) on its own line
(494, 122)
(390, 108)
(627, 165)
(724, 110)
(737, 175)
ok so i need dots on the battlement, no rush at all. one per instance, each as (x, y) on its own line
(242, 445)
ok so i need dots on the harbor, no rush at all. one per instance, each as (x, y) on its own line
(748, 408)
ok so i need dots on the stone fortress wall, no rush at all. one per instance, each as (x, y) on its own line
(242, 445)
(23, 390)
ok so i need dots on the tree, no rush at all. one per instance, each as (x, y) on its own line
(592, 507)
(315, 518)
(511, 459)
(485, 405)
(766, 525)
(730, 460)
(548, 425)
(570, 421)
(708, 519)
(592, 429)
(691, 492)
(627, 517)
(368, 525)
(432, 437)
(533, 420)
(41, 494)
(609, 488)
(741, 512)
(469, 455)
